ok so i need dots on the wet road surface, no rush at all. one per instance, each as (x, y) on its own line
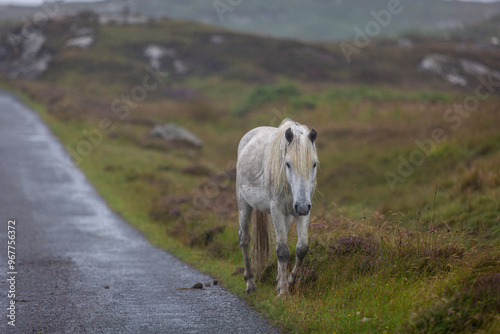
(79, 268)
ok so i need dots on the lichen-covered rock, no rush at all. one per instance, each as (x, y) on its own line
(81, 41)
(172, 132)
(28, 59)
(443, 66)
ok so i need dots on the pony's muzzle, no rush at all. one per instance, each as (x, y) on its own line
(302, 209)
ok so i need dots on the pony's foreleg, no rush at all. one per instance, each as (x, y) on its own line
(302, 245)
(281, 226)
(245, 216)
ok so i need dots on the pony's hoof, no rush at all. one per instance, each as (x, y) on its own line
(283, 293)
(282, 290)
(251, 287)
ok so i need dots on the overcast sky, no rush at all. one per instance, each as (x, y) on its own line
(35, 2)
(39, 2)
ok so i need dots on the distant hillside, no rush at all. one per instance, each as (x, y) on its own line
(415, 61)
(320, 19)
(312, 20)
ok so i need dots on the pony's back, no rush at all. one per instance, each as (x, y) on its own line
(262, 131)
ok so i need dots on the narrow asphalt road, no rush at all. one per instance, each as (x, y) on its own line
(79, 268)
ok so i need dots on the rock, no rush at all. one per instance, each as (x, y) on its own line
(155, 53)
(180, 67)
(473, 67)
(29, 61)
(456, 79)
(81, 42)
(172, 132)
(84, 36)
(82, 31)
(477, 69)
(443, 66)
(31, 70)
(435, 63)
(454, 71)
(32, 45)
(197, 286)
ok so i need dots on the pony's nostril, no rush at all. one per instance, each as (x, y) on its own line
(302, 209)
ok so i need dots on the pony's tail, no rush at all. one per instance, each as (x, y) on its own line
(260, 245)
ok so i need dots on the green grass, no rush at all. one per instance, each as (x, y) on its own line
(265, 94)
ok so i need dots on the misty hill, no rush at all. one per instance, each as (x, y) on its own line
(187, 50)
(311, 20)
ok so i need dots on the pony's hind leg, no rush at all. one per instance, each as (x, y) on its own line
(245, 216)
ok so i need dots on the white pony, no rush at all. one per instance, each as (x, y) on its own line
(276, 175)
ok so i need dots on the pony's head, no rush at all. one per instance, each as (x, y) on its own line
(293, 164)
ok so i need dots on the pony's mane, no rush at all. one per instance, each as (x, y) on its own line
(301, 152)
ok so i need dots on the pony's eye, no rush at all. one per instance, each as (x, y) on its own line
(314, 165)
(287, 164)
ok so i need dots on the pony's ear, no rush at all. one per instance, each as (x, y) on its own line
(289, 135)
(312, 135)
